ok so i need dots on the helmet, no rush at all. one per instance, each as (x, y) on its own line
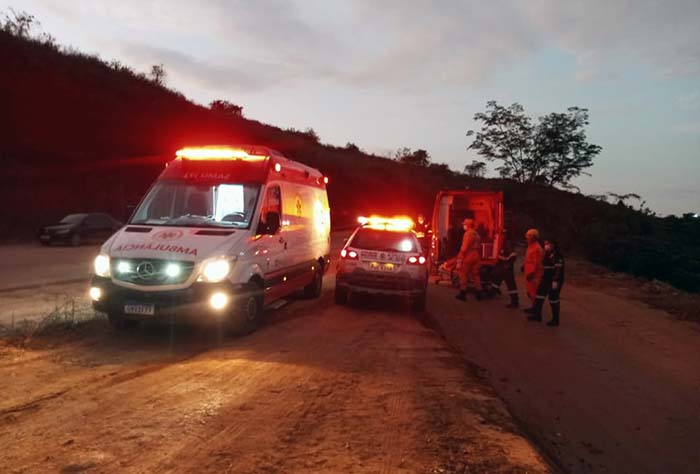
(534, 233)
(468, 222)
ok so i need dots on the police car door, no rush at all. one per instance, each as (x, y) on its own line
(274, 245)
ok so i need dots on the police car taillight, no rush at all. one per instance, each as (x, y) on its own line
(416, 260)
(352, 255)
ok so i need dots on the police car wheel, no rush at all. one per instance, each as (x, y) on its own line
(341, 295)
(313, 289)
(246, 315)
(121, 324)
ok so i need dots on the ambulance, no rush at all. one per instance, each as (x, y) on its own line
(223, 232)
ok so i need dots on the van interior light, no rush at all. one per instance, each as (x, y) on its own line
(278, 167)
(401, 224)
(216, 153)
(325, 180)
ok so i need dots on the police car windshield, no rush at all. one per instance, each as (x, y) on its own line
(382, 240)
(187, 204)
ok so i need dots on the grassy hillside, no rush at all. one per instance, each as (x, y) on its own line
(79, 134)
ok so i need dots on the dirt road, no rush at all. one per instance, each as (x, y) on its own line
(615, 389)
(320, 388)
(323, 388)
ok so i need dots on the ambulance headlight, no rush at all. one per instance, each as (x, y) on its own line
(215, 271)
(102, 265)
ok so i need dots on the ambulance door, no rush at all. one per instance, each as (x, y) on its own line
(297, 208)
(273, 243)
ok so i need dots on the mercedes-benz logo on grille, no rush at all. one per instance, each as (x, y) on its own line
(145, 270)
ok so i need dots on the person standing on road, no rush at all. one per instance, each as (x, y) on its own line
(469, 261)
(551, 284)
(533, 264)
(506, 261)
(422, 230)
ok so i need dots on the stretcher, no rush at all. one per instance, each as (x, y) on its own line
(448, 272)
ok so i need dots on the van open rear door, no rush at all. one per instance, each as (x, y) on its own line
(451, 208)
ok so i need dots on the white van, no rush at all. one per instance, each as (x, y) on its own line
(224, 231)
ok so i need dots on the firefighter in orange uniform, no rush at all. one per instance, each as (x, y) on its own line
(469, 260)
(533, 263)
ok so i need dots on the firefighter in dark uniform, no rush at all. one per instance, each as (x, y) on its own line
(551, 283)
(422, 230)
(506, 260)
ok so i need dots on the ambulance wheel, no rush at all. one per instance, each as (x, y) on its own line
(418, 303)
(119, 323)
(246, 315)
(74, 240)
(313, 289)
(341, 295)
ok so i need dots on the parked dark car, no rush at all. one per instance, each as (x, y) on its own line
(74, 229)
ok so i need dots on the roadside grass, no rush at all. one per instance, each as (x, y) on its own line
(71, 317)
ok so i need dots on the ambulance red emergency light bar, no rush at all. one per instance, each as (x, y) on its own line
(398, 224)
(251, 156)
(217, 153)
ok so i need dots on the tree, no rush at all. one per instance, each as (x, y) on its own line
(406, 156)
(225, 107)
(561, 146)
(552, 152)
(622, 198)
(158, 74)
(20, 24)
(311, 133)
(477, 169)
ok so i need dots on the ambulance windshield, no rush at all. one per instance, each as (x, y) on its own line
(187, 204)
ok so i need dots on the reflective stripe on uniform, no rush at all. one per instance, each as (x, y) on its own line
(554, 302)
(540, 297)
(548, 267)
(513, 292)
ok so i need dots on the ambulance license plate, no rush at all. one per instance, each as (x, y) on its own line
(140, 309)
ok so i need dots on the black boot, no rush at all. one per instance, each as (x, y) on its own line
(514, 303)
(536, 311)
(555, 315)
(479, 295)
(462, 295)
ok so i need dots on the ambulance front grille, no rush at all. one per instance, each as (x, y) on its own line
(150, 271)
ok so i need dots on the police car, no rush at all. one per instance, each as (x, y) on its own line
(383, 256)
